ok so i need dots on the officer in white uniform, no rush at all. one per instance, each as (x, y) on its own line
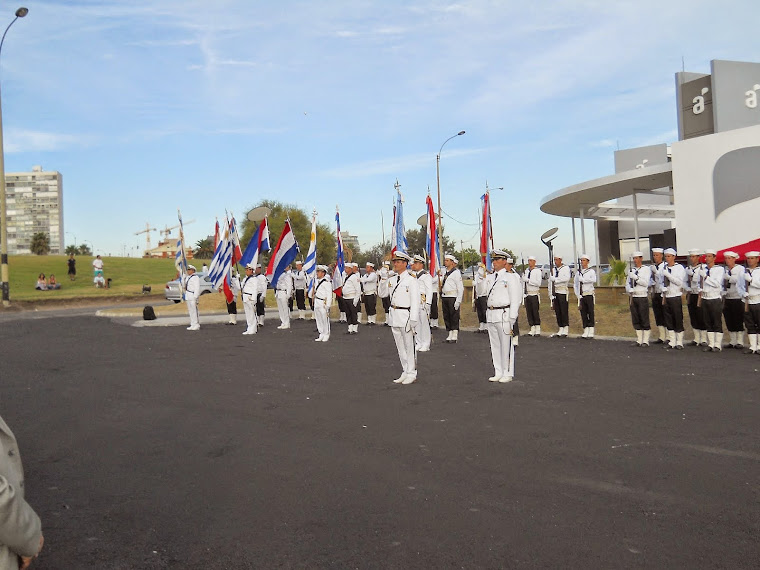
(323, 296)
(712, 301)
(283, 293)
(352, 293)
(250, 292)
(637, 286)
(422, 332)
(404, 311)
(263, 283)
(692, 303)
(657, 287)
(752, 300)
(583, 285)
(452, 290)
(733, 303)
(560, 278)
(383, 292)
(299, 283)
(503, 305)
(192, 287)
(480, 293)
(674, 277)
(532, 288)
(369, 288)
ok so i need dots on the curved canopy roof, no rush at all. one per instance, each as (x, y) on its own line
(590, 194)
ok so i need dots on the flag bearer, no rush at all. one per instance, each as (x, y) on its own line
(422, 332)
(192, 293)
(403, 315)
(283, 293)
(503, 306)
(385, 274)
(262, 295)
(250, 290)
(452, 290)
(323, 295)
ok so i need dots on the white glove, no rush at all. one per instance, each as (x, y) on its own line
(412, 324)
(456, 306)
(704, 272)
(552, 278)
(632, 275)
(356, 302)
(748, 277)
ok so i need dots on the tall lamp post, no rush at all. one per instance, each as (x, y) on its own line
(20, 13)
(438, 180)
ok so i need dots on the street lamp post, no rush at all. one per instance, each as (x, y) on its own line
(20, 13)
(438, 181)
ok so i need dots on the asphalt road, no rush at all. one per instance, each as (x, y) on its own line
(163, 448)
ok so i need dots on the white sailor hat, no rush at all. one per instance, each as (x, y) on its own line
(557, 256)
(695, 252)
(189, 267)
(510, 261)
(752, 254)
(386, 262)
(710, 252)
(531, 258)
(299, 262)
(418, 259)
(250, 266)
(657, 250)
(730, 254)
(584, 256)
(670, 251)
(499, 254)
(451, 257)
(401, 256)
(637, 254)
(258, 266)
(370, 264)
(322, 268)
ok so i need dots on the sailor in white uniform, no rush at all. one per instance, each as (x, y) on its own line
(733, 303)
(383, 292)
(583, 285)
(369, 290)
(560, 278)
(692, 295)
(283, 292)
(503, 306)
(323, 296)
(250, 291)
(262, 292)
(403, 315)
(532, 288)
(480, 293)
(299, 284)
(452, 290)
(422, 332)
(712, 301)
(637, 286)
(192, 287)
(352, 294)
(752, 302)
(674, 277)
(657, 286)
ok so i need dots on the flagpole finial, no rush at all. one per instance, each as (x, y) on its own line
(397, 185)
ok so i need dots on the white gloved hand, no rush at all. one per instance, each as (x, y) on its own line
(456, 306)
(632, 275)
(748, 277)
(356, 302)
(704, 272)
(412, 324)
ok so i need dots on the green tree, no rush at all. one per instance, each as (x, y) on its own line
(468, 257)
(417, 238)
(40, 244)
(71, 249)
(84, 249)
(617, 274)
(204, 249)
(300, 221)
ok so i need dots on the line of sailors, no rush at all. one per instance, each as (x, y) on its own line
(714, 293)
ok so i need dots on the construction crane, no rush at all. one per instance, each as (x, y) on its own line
(146, 231)
(166, 232)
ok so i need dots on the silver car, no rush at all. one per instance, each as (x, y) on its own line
(173, 291)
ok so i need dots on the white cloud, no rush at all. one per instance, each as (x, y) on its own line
(19, 140)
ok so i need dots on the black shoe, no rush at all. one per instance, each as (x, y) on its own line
(739, 346)
(678, 347)
(707, 349)
(659, 341)
(635, 344)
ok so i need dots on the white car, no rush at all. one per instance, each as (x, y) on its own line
(173, 292)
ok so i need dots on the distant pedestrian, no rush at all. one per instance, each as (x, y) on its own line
(72, 264)
(97, 266)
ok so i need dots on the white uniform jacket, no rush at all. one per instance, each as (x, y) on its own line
(405, 300)
(712, 282)
(369, 283)
(285, 285)
(532, 279)
(250, 289)
(192, 287)
(637, 283)
(504, 297)
(752, 281)
(382, 286)
(263, 284)
(560, 277)
(352, 287)
(692, 278)
(656, 281)
(734, 282)
(323, 292)
(299, 279)
(480, 287)
(584, 282)
(673, 278)
(452, 285)
(426, 287)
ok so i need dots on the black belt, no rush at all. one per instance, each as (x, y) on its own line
(321, 299)
(497, 308)
(403, 308)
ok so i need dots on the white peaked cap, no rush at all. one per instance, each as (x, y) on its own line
(584, 256)
(730, 254)
(670, 251)
(637, 254)
(531, 257)
(752, 254)
(451, 257)
(711, 252)
(695, 252)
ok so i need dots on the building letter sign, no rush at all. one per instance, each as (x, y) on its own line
(751, 97)
(699, 102)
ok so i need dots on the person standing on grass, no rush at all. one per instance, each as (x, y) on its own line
(72, 265)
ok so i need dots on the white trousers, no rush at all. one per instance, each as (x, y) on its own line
(405, 346)
(282, 308)
(250, 315)
(192, 310)
(502, 351)
(323, 319)
(422, 329)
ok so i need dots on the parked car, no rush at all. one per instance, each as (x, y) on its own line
(173, 292)
(469, 273)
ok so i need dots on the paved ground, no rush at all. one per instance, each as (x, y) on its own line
(280, 452)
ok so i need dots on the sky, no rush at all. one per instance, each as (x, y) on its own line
(150, 106)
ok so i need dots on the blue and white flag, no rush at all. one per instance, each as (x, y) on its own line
(399, 233)
(259, 242)
(340, 265)
(222, 260)
(180, 260)
(310, 265)
(284, 254)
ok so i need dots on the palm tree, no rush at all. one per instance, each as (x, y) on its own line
(71, 249)
(204, 249)
(617, 273)
(84, 249)
(40, 243)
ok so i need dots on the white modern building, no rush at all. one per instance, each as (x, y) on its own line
(34, 204)
(703, 191)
